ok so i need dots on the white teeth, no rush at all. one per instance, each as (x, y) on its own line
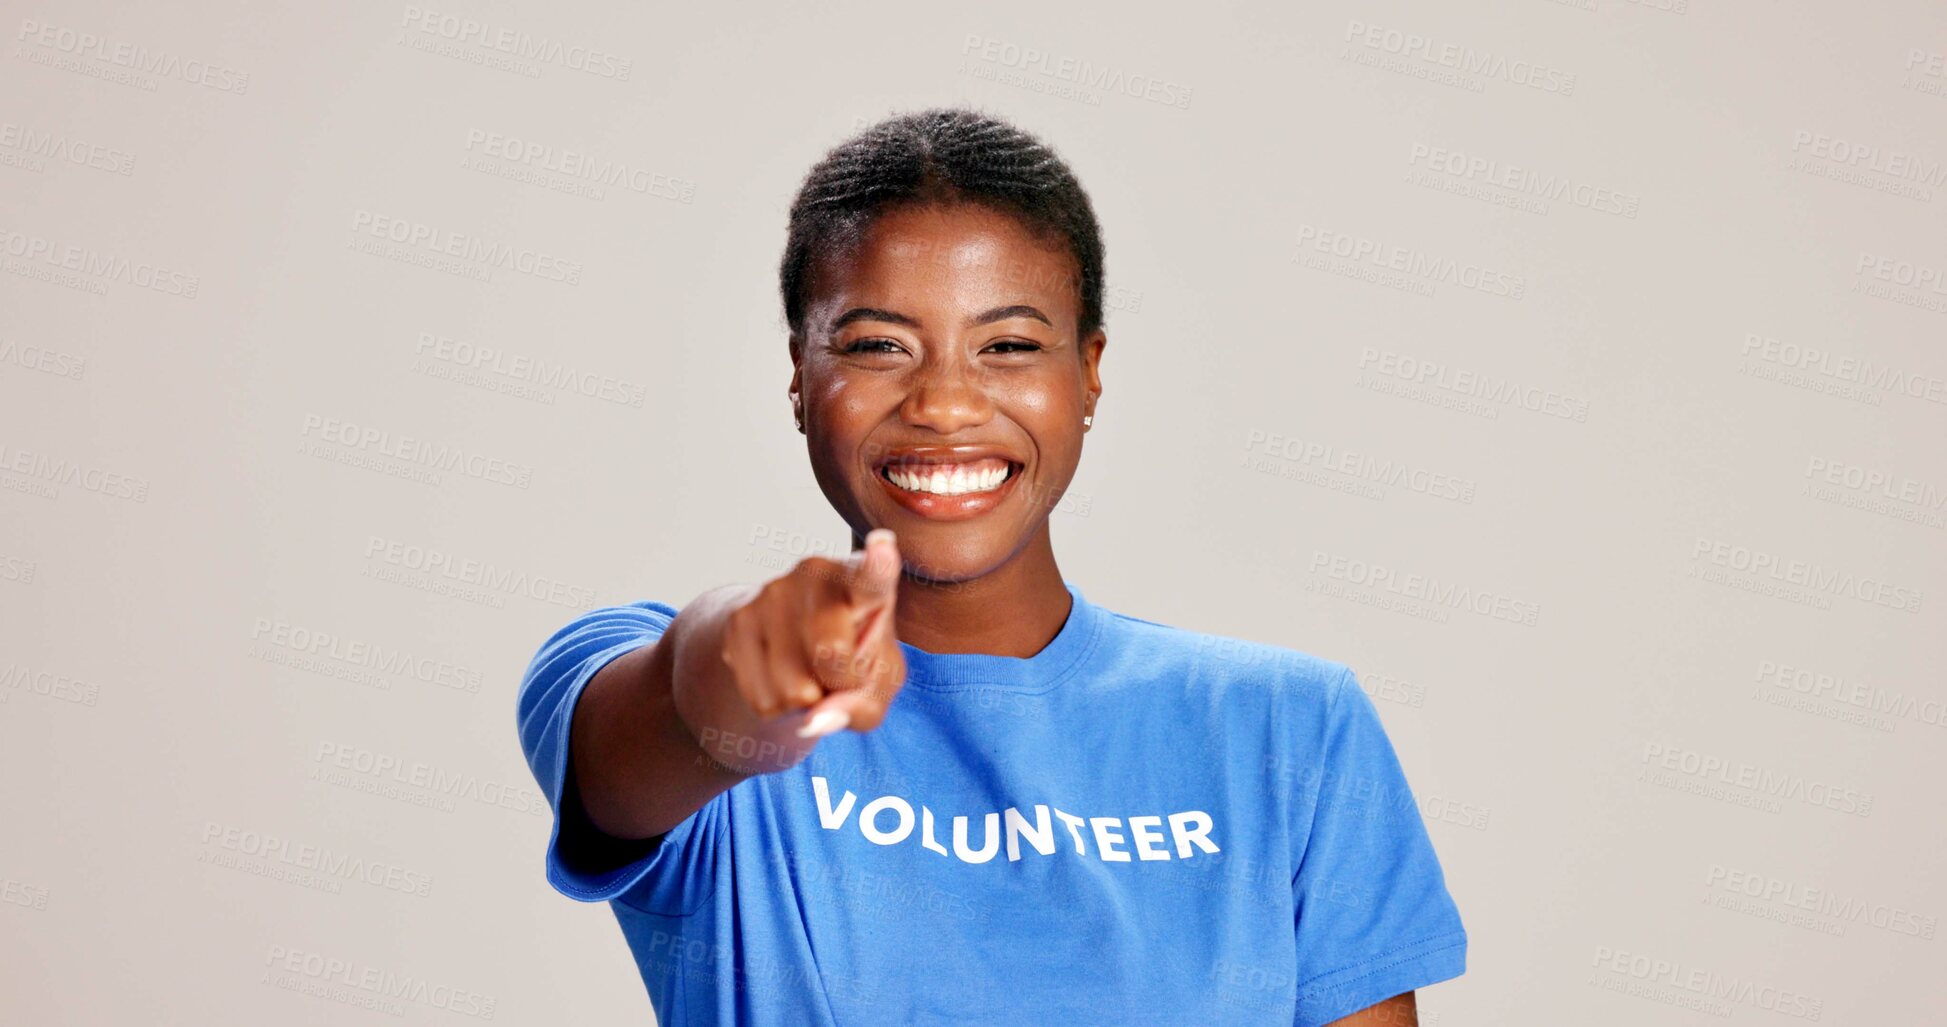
(957, 480)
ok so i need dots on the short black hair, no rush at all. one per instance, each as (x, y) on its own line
(938, 155)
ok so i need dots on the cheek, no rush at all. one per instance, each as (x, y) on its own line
(1050, 391)
(844, 403)
(1047, 404)
(1052, 417)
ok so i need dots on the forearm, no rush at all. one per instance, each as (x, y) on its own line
(661, 730)
(1399, 1011)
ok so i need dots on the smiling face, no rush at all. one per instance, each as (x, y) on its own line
(943, 384)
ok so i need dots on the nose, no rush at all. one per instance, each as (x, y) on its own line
(947, 398)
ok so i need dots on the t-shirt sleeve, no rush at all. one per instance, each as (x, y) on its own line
(1374, 918)
(662, 874)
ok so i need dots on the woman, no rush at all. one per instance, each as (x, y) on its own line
(932, 783)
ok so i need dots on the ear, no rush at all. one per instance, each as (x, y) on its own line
(1091, 350)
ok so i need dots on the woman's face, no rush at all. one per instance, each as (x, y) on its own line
(943, 385)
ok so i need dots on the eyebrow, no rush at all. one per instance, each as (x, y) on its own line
(894, 317)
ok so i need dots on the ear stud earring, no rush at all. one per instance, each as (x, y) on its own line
(1088, 420)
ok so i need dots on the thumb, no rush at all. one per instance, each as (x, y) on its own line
(874, 581)
(861, 708)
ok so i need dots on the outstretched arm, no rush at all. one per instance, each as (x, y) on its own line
(728, 689)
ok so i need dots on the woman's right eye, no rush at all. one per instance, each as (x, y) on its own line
(872, 346)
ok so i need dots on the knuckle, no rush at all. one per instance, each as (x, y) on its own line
(814, 568)
(807, 689)
(754, 693)
(774, 593)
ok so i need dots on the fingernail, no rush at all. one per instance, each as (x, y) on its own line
(824, 722)
(885, 533)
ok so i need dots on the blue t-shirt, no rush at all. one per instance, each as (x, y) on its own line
(1138, 824)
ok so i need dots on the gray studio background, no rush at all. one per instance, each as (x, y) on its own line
(1572, 370)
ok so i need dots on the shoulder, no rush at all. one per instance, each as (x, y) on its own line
(640, 606)
(649, 612)
(599, 629)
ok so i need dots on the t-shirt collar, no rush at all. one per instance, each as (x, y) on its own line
(1056, 661)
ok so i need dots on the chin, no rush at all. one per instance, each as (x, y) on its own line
(931, 554)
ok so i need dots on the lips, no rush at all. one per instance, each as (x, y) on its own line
(948, 482)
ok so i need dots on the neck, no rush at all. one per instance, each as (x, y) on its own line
(1015, 609)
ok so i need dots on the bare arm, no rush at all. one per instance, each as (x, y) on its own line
(1398, 1011)
(639, 768)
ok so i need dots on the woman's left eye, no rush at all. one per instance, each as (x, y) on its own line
(1020, 346)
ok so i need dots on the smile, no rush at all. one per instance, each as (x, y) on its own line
(949, 483)
(950, 479)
